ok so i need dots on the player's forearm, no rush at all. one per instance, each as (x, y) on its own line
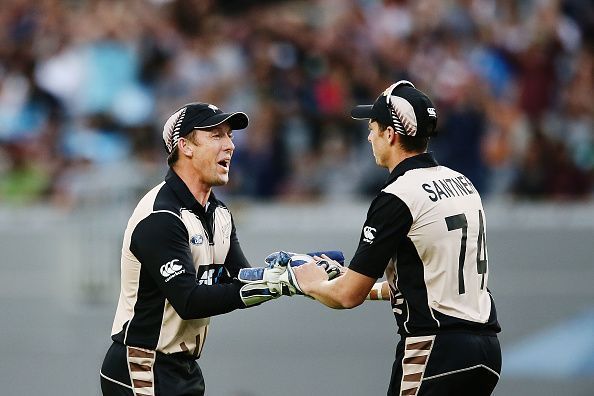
(210, 300)
(335, 295)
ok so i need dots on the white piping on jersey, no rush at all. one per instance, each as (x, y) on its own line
(433, 316)
(132, 317)
(114, 381)
(407, 317)
(461, 370)
(170, 212)
(406, 302)
(129, 320)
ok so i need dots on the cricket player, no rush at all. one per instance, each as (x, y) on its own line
(426, 231)
(182, 263)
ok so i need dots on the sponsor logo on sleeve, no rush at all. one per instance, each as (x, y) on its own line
(171, 269)
(369, 234)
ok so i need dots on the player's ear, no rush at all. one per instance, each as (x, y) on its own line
(390, 135)
(184, 146)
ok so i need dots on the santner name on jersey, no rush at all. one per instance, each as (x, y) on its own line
(448, 188)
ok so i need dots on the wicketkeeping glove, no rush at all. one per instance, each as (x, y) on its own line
(266, 283)
(290, 260)
(261, 284)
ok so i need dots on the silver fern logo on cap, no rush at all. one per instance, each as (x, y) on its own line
(172, 128)
(403, 115)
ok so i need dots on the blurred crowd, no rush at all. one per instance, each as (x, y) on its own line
(85, 87)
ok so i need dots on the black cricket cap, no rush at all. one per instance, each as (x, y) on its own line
(409, 111)
(198, 116)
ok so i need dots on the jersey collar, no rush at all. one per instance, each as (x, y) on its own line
(183, 193)
(423, 160)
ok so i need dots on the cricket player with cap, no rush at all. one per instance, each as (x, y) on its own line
(182, 263)
(426, 231)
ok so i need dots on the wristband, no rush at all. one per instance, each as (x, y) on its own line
(376, 292)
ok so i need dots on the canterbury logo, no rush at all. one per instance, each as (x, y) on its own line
(431, 111)
(170, 268)
(369, 234)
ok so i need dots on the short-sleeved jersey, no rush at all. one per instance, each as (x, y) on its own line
(426, 231)
(178, 261)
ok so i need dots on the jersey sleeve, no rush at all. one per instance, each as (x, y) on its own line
(235, 259)
(387, 224)
(160, 243)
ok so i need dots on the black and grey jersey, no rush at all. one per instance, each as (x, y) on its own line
(426, 231)
(178, 264)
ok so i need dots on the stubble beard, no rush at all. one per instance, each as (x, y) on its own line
(220, 179)
(376, 157)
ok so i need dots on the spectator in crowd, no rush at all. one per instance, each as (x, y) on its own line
(507, 75)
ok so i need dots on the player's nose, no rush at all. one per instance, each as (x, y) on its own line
(228, 145)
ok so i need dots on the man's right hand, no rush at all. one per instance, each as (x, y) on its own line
(307, 276)
(261, 284)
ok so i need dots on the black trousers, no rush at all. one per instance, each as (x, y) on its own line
(131, 371)
(456, 364)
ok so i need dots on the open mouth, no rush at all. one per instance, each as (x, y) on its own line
(224, 163)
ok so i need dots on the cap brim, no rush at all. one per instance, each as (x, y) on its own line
(363, 112)
(237, 120)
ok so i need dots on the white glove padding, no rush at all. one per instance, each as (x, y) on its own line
(261, 284)
(290, 260)
(270, 282)
(277, 257)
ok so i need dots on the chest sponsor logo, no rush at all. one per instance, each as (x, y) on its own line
(207, 275)
(368, 234)
(197, 240)
(171, 269)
